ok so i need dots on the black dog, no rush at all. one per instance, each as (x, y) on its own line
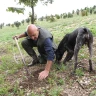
(72, 43)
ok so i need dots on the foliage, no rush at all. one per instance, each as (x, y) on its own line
(17, 24)
(93, 93)
(84, 12)
(22, 22)
(79, 72)
(52, 19)
(95, 11)
(47, 18)
(3, 90)
(87, 9)
(28, 20)
(64, 15)
(57, 16)
(55, 91)
(91, 10)
(73, 12)
(46, 1)
(60, 81)
(77, 11)
(28, 3)
(1, 25)
(32, 3)
(41, 19)
(70, 15)
(35, 16)
(8, 24)
(15, 9)
(12, 25)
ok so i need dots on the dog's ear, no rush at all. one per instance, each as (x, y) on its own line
(85, 30)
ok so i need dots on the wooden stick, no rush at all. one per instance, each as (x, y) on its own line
(80, 85)
(27, 73)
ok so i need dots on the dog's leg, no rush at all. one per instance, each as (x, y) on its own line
(70, 53)
(68, 57)
(90, 58)
(79, 43)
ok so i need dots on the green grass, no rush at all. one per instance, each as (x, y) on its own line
(79, 72)
(58, 28)
(93, 93)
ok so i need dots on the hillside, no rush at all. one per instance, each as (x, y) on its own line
(13, 78)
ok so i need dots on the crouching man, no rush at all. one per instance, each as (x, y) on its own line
(43, 40)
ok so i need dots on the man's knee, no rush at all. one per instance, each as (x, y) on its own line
(23, 43)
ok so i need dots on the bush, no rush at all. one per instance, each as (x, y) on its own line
(57, 16)
(94, 11)
(84, 13)
(17, 24)
(52, 19)
(70, 15)
(64, 15)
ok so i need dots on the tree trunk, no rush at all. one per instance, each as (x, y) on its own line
(32, 17)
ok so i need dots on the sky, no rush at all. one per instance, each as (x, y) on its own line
(58, 7)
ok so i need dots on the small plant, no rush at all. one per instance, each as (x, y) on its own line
(55, 91)
(34, 94)
(60, 67)
(4, 89)
(1, 79)
(93, 93)
(17, 90)
(51, 81)
(79, 72)
(60, 81)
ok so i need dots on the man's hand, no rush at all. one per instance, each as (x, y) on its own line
(43, 75)
(17, 37)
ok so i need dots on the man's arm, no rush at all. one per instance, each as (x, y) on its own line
(50, 57)
(21, 35)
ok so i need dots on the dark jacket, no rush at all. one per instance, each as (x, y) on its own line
(43, 34)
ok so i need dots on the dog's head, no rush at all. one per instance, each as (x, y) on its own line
(61, 48)
(58, 57)
(59, 54)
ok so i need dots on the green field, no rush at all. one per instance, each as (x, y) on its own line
(12, 73)
(59, 27)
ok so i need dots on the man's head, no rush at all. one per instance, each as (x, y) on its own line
(32, 31)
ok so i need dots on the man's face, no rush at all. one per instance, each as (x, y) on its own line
(34, 35)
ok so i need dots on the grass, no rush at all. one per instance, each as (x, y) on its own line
(58, 28)
(93, 93)
(79, 72)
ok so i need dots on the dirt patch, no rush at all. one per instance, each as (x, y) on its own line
(73, 85)
(33, 82)
(3, 51)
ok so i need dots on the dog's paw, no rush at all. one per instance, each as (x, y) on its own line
(92, 71)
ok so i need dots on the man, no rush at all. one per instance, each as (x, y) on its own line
(43, 40)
